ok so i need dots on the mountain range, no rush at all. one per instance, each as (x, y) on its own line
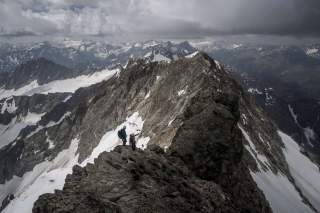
(210, 137)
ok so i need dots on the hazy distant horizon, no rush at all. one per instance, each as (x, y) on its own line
(269, 21)
(247, 39)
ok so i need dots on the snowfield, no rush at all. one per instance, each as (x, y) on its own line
(60, 86)
(277, 188)
(160, 58)
(280, 193)
(312, 51)
(50, 175)
(305, 173)
(44, 178)
(10, 132)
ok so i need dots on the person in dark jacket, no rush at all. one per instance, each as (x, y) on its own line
(132, 141)
(123, 135)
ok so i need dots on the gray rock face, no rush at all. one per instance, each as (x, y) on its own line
(204, 169)
(280, 76)
(40, 69)
(10, 164)
(133, 182)
(142, 181)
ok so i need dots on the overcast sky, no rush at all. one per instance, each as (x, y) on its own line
(159, 18)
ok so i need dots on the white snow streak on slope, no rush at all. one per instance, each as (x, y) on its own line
(44, 178)
(192, 55)
(279, 191)
(294, 116)
(312, 51)
(50, 124)
(305, 173)
(66, 85)
(50, 175)
(218, 64)
(9, 107)
(67, 98)
(308, 132)
(310, 135)
(260, 159)
(159, 57)
(181, 92)
(147, 96)
(148, 55)
(11, 131)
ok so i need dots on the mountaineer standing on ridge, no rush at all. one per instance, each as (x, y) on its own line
(123, 135)
(132, 140)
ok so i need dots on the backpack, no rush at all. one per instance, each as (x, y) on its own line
(120, 135)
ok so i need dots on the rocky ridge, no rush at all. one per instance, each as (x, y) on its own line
(205, 154)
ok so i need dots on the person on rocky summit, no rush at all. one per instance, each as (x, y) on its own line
(123, 135)
(132, 140)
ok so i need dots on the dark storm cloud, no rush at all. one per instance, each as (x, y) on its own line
(182, 18)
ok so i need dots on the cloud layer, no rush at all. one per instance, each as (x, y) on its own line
(176, 18)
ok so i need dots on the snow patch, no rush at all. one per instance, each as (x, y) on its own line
(72, 44)
(150, 44)
(255, 91)
(54, 123)
(160, 57)
(142, 143)
(8, 105)
(148, 55)
(170, 122)
(236, 46)
(147, 96)
(44, 178)
(181, 92)
(50, 124)
(110, 139)
(67, 98)
(192, 54)
(10, 132)
(294, 116)
(33, 118)
(49, 141)
(218, 64)
(311, 51)
(305, 173)
(244, 119)
(60, 86)
(19, 92)
(280, 193)
(310, 135)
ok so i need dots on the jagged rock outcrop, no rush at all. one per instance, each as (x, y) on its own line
(144, 181)
(202, 171)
